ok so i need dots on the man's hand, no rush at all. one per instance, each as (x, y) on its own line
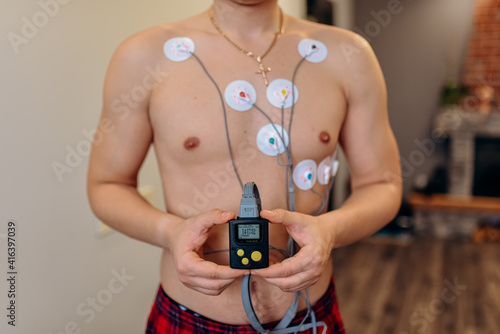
(304, 269)
(186, 242)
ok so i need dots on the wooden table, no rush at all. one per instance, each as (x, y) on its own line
(445, 215)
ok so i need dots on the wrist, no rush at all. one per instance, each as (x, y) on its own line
(330, 223)
(166, 230)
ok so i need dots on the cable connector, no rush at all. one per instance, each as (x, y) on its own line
(250, 206)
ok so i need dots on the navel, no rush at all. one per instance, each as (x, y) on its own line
(191, 143)
(324, 137)
(253, 287)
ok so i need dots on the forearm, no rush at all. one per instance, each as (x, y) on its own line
(125, 210)
(366, 211)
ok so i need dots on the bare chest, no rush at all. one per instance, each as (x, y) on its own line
(192, 115)
(199, 132)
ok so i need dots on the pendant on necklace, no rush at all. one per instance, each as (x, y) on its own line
(263, 70)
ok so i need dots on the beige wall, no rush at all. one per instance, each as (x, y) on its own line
(420, 46)
(50, 98)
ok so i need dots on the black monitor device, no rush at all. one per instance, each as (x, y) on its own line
(248, 233)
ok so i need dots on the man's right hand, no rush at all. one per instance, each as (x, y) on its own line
(186, 239)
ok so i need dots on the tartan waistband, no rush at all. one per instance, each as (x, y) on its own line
(322, 308)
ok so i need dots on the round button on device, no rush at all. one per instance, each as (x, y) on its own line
(245, 261)
(256, 256)
(240, 252)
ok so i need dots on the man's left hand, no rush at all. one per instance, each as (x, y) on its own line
(315, 240)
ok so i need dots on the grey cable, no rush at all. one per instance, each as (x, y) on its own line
(290, 203)
(225, 117)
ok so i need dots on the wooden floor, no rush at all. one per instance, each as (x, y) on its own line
(429, 286)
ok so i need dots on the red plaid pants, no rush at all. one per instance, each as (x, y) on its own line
(169, 317)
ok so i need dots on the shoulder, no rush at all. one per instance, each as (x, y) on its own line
(146, 46)
(319, 30)
(350, 60)
(347, 49)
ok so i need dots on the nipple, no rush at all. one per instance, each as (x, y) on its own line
(324, 137)
(191, 143)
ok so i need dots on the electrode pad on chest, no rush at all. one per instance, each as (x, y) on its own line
(269, 139)
(325, 169)
(304, 174)
(240, 95)
(313, 50)
(335, 167)
(179, 48)
(281, 94)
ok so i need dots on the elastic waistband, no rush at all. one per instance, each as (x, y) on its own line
(323, 309)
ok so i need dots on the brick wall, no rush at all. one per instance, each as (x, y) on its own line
(482, 66)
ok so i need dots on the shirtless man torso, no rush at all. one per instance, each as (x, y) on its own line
(342, 100)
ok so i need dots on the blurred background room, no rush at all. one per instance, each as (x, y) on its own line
(434, 269)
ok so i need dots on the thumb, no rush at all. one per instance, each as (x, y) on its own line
(202, 224)
(216, 217)
(280, 216)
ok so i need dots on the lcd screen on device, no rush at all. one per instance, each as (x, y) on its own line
(248, 231)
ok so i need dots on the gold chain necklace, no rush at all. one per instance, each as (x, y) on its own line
(262, 70)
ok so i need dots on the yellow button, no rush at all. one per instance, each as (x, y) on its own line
(245, 261)
(256, 256)
(240, 252)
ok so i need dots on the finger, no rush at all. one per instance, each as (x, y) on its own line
(196, 266)
(288, 278)
(215, 217)
(286, 268)
(280, 216)
(207, 277)
(292, 284)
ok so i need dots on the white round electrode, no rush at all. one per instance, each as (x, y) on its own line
(325, 171)
(304, 174)
(314, 50)
(335, 167)
(335, 162)
(269, 142)
(178, 48)
(240, 95)
(280, 93)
